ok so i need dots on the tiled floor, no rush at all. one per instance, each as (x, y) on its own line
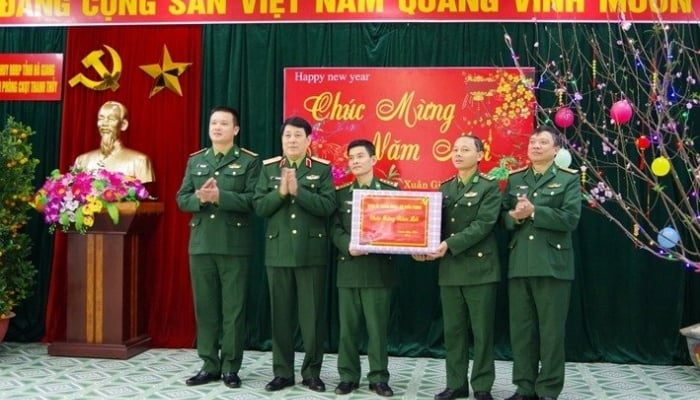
(27, 372)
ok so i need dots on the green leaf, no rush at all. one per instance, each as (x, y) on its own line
(63, 220)
(79, 219)
(113, 212)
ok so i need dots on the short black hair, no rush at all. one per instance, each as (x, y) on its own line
(478, 143)
(230, 110)
(553, 132)
(362, 143)
(297, 122)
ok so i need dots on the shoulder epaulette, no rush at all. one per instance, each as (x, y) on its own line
(198, 152)
(522, 169)
(447, 180)
(388, 182)
(569, 170)
(321, 160)
(487, 177)
(272, 160)
(250, 153)
(343, 186)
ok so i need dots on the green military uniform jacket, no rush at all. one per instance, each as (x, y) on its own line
(541, 246)
(222, 228)
(469, 214)
(373, 270)
(296, 222)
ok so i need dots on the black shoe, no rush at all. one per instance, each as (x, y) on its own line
(201, 378)
(231, 380)
(346, 387)
(518, 396)
(482, 396)
(381, 388)
(548, 397)
(449, 394)
(279, 383)
(315, 384)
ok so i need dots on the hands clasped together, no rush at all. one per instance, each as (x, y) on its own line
(288, 183)
(209, 192)
(523, 209)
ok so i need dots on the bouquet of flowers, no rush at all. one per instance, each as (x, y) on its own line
(72, 199)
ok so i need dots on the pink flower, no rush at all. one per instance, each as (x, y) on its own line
(62, 197)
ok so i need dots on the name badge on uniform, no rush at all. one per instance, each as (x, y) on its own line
(471, 194)
(313, 177)
(276, 178)
(348, 202)
(554, 185)
(202, 165)
(524, 187)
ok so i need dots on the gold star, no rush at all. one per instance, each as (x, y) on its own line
(166, 75)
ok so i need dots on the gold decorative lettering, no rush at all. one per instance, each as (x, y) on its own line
(442, 150)
(395, 150)
(639, 6)
(351, 6)
(328, 106)
(411, 113)
(121, 8)
(274, 7)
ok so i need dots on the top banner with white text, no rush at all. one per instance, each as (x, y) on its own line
(143, 12)
(413, 116)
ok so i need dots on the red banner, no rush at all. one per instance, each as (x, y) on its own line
(120, 12)
(413, 116)
(30, 77)
(395, 222)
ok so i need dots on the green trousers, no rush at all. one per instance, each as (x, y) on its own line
(538, 310)
(219, 288)
(303, 288)
(468, 309)
(371, 307)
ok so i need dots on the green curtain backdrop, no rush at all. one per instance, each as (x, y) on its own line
(626, 306)
(45, 119)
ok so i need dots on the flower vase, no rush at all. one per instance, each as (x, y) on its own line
(4, 324)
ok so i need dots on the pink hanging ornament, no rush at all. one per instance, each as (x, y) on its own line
(564, 117)
(621, 112)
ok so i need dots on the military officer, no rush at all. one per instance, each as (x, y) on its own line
(542, 206)
(218, 190)
(469, 271)
(364, 283)
(295, 193)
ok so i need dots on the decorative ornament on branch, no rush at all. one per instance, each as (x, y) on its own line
(627, 103)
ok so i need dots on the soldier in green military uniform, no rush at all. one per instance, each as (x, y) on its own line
(295, 193)
(469, 271)
(364, 283)
(218, 190)
(542, 206)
